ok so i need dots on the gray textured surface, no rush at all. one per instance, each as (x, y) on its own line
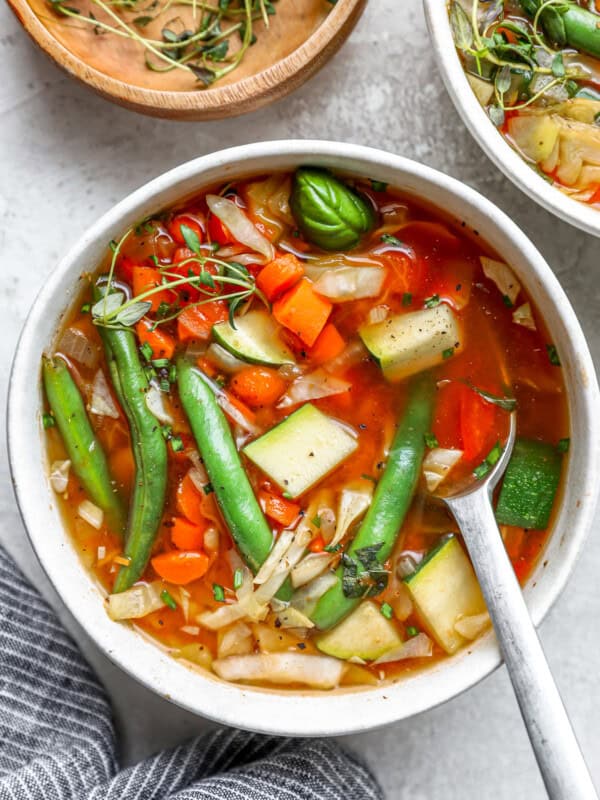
(66, 156)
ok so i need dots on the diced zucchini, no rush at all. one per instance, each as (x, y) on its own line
(444, 588)
(301, 450)
(530, 485)
(534, 136)
(409, 343)
(365, 634)
(255, 338)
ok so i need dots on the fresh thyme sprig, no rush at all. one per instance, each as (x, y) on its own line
(483, 38)
(197, 51)
(114, 310)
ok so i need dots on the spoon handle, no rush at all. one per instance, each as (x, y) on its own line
(559, 757)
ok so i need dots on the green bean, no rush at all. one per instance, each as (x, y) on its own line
(83, 448)
(149, 452)
(568, 25)
(391, 501)
(230, 483)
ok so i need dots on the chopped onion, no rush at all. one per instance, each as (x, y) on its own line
(238, 224)
(353, 503)
(140, 600)
(401, 602)
(350, 283)
(93, 515)
(198, 477)
(408, 561)
(211, 540)
(306, 598)
(523, 315)
(184, 602)
(236, 641)
(319, 672)
(225, 360)
(290, 371)
(327, 522)
(290, 617)
(76, 345)
(503, 276)
(275, 557)
(378, 314)
(248, 259)
(313, 386)
(353, 354)
(156, 403)
(471, 627)
(102, 402)
(59, 475)
(437, 465)
(419, 646)
(191, 630)
(223, 616)
(309, 567)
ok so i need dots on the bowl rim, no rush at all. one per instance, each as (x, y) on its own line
(248, 94)
(489, 138)
(300, 713)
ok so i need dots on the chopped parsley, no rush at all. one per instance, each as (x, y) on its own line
(168, 599)
(448, 352)
(563, 445)
(492, 458)
(146, 351)
(412, 631)
(48, 421)
(378, 186)
(432, 302)
(387, 238)
(176, 444)
(407, 299)
(208, 488)
(387, 610)
(316, 521)
(431, 440)
(553, 355)
(238, 578)
(218, 591)
(85, 308)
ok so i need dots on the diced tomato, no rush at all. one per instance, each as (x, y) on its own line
(196, 322)
(174, 228)
(446, 422)
(218, 232)
(317, 545)
(452, 281)
(278, 508)
(124, 270)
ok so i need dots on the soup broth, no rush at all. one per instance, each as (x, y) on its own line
(244, 387)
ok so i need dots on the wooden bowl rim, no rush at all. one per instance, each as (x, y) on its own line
(220, 101)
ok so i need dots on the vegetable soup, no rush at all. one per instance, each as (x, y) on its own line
(535, 67)
(253, 405)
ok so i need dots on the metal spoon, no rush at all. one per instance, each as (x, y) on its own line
(559, 757)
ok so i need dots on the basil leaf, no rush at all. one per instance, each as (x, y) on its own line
(505, 403)
(328, 212)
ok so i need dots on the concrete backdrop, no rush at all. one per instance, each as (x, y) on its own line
(66, 156)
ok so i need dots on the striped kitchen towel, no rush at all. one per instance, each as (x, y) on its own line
(57, 739)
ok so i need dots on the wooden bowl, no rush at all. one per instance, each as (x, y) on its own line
(301, 37)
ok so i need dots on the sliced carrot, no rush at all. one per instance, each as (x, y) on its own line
(258, 386)
(181, 566)
(207, 366)
(279, 275)
(183, 219)
(328, 345)
(278, 508)
(247, 412)
(303, 311)
(187, 535)
(317, 545)
(196, 322)
(145, 278)
(163, 345)
(189, 501)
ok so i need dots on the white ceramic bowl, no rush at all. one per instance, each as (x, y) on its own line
(485, 132)
(297, 713)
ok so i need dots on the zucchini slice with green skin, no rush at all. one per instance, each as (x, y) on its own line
(530, 485)
(409, 343)
(392, 498)
(231, 486)
(365, 634)
(301, 450)
(255, 339)
(444, 589)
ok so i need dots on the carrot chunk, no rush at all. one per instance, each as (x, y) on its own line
(189, 501)
(145, 278)
(181, 566)
(258, 386)
(196, 321)
(163, 345)
(187, 535)
(303, 311)
(279, 275)
(278, 508)
(329, 344)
